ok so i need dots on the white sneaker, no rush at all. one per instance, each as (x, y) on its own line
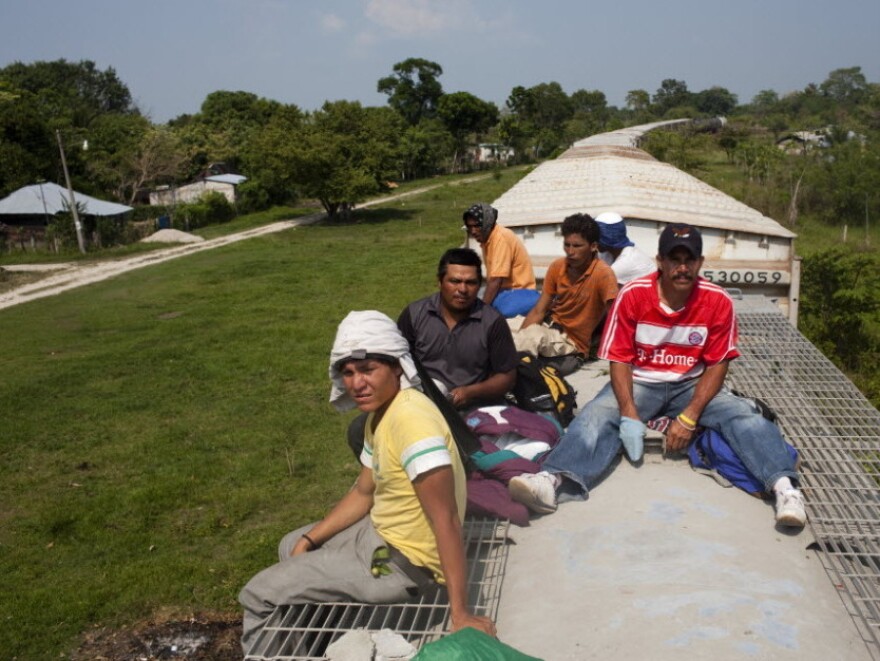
(536, 491)
(790, 508)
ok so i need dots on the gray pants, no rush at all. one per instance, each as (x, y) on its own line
(338, 571)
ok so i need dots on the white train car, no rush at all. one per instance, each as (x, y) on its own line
(744, 249)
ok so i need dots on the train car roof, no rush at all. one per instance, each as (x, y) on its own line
(608, 172)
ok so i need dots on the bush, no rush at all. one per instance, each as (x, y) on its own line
(251, 196)
(109, 231)
(149, 212)
(212, 208)
(840, 296)
(62, 229)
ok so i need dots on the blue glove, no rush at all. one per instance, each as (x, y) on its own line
(632, 435)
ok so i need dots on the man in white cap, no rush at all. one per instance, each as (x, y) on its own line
(398, 529)
(621, 254)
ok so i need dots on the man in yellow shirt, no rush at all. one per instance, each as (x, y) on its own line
(510, 279)
(399, 528)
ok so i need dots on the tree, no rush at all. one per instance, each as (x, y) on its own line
(844, 183)
(70, 93)
(546, 105)
(847, 86)
(270, 157)
(423, 148)
(413, 89)
(463, 114)
(765, 101)
(638, 100)
(221, 108)
(541, 111)
(223, 128)
(155, 156)
(512, 131)
(590, 110)
(671, 93)
(28, 151)
(868, 111)
(342, 154)
(113, 139)
(715, 101)
(43, 97)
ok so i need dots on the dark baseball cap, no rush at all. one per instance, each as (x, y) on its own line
(681, 235)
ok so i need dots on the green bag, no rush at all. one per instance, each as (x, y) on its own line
(468, 644)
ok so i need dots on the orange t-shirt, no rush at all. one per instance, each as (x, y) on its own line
(578, 306)
(506, 257)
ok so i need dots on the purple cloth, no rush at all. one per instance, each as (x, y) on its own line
(490, 498)
(487, 493)
(525, 423)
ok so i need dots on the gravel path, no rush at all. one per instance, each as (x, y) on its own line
(75, 275)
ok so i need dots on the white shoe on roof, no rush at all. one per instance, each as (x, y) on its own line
(536, 491)
(790, 508)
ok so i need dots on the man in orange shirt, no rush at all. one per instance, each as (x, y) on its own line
(578, 290)
(510, 279)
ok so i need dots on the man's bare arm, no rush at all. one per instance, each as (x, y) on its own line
(536, 314)
(492, 388)
(493, 286)
(436, 493)
(353, 506)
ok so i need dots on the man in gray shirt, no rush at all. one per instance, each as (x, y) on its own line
(464, 345)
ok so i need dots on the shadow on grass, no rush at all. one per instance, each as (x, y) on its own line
(373, 216)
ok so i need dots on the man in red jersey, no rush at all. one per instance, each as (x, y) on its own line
(669, 339)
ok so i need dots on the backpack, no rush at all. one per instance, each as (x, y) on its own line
(711, 453)
(542, 389)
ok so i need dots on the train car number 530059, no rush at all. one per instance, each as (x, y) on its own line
(746, 277)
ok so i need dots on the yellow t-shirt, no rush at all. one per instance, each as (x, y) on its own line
(506, 257)
(412, 438)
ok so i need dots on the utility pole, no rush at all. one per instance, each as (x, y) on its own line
(76, 223)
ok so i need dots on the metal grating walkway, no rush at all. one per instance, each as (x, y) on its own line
(304, 631)
(837, 431)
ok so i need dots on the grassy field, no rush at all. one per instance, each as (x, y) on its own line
(161, 430)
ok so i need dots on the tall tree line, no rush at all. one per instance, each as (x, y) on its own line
(343, 151)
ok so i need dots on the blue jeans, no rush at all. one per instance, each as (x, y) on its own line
(591, 443)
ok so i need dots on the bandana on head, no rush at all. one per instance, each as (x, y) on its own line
(612, 231)
(365, 334)
(483, 213)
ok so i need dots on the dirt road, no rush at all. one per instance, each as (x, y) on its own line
(70, 276)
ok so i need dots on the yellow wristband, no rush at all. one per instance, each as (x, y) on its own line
(684, 418)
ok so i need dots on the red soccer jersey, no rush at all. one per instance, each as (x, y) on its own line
(665, 346)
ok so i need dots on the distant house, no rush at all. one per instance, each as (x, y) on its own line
(491, 153)
(800, 142)
(221, 183)
(37, 205)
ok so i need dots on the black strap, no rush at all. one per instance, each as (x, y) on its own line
(465, 438)
(421, 576)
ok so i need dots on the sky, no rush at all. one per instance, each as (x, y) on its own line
(173, 53)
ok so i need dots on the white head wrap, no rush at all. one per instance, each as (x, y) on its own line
(363, 334)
